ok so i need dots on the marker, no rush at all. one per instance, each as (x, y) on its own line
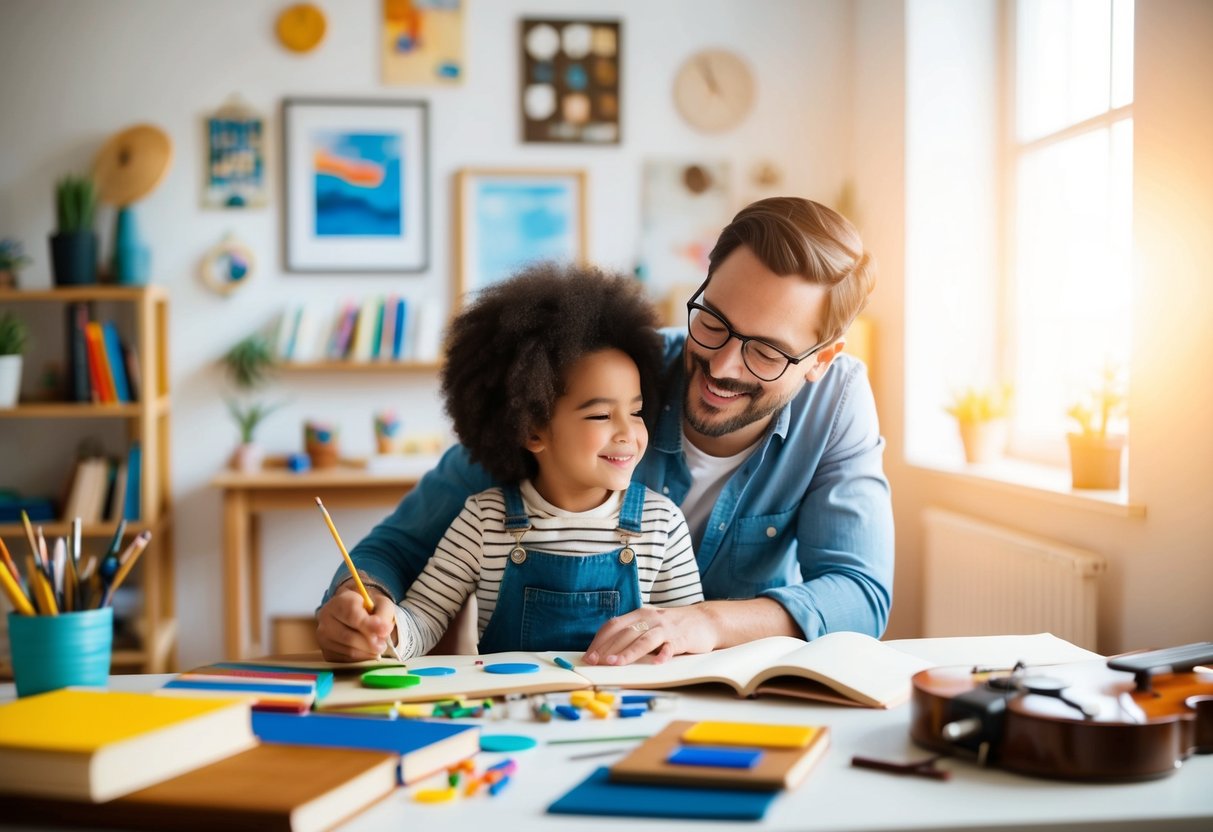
(561, 661)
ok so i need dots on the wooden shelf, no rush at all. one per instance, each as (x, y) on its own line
(144, 323)
(82, 410)
(359, 366)
(70, 294)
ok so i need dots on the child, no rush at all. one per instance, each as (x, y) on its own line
(547, 378)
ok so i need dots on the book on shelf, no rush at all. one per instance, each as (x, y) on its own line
(98, 745)
(267, 787)
(134, 375)
(80, 386)
(87, 493)
(421, 747)
(131, 499)
(113, 359)
(775, 764)
(842, 668)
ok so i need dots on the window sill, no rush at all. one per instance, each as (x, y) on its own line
(1040, 481)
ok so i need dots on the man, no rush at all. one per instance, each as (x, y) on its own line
(775, 462)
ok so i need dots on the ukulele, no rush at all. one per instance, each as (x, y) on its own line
(1135, 717)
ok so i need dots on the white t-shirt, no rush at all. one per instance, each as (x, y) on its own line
(708, 476)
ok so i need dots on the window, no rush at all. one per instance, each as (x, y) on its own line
(1067, 210)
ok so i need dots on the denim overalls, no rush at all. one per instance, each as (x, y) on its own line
(558, 602)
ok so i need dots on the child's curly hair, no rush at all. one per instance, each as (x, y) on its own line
(507, 353)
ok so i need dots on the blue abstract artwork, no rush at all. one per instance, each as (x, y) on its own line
(522, 222)
(358, 179)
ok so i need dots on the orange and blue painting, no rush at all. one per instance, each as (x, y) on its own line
(358, 182)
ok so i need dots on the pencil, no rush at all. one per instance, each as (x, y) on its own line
(13, 590)
(29, 535)
(8, 561)
(367, 603)
(129, 557)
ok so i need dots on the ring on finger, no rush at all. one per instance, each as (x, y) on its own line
(641, 626)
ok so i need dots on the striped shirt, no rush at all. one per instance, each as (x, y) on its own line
(473, 554)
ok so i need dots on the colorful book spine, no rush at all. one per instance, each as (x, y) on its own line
(113, 357)
(134, 482)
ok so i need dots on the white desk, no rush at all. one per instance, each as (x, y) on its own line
(835, 796)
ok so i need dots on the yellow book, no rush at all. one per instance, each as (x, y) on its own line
(749, 734)
(98, 745)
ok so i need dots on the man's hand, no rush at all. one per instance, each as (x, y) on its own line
(347, 632)
(670, 631)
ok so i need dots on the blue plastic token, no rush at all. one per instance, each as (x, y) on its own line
(432, 671)
(506, 742)
(511, 667)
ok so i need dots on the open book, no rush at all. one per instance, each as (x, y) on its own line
(841, 667)
(845, 668)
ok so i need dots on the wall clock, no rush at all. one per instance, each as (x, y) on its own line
(714, 90)
(301, 27)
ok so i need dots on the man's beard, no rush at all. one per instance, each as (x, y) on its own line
(759, 407)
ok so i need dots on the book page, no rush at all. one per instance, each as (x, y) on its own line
(469, 679)
(735, 666)
(854, 664)
(994, 651)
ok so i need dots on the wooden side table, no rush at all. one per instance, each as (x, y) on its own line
(246, 496)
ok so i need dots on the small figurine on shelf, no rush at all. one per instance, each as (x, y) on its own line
(387, 432)
(12, 260)
(320, 442)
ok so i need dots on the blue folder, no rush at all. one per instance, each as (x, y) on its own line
(596, 795)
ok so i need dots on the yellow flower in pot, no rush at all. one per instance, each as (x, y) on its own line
(981, 414)
(1096, 453)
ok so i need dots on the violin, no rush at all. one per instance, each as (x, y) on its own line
(1133, 717)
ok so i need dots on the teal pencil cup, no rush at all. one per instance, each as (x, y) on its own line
(54, 651)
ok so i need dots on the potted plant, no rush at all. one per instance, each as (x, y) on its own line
(12, 260)
(74, 244)
(1095, 451)
(248, 364)
(13, 336)
(248, 455)
(981, 414)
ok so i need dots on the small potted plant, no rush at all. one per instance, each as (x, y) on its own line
(249, 364)
(1095, 450)
(981, 414)
(74, 244)
(12, 260)
(13, 336)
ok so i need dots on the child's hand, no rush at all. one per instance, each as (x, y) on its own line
(348, 633)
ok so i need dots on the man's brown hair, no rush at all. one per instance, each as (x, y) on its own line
(797, 236)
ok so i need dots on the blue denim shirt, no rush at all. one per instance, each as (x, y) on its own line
(806, 520)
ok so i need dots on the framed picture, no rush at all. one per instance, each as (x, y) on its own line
(356, 185)
(684, 205)
(235, 157)
(422, 42)
(569, 83)
(507, 218)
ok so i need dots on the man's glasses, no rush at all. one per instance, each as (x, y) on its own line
(711, 331)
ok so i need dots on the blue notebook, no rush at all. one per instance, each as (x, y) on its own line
(424, 747)
(596, 795)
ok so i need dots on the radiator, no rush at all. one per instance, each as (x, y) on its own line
(982, 579)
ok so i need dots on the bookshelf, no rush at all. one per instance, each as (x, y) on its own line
(142, 316)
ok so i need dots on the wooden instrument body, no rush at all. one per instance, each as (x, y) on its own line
(1133, 735)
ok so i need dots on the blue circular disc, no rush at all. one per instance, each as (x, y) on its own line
(432, 671)
(506, 742)
(511, 667)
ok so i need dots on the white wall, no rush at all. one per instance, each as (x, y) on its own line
(1157, 589)
(72, 72)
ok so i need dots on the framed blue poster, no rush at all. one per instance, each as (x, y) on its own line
(509, 218)
(356, 185)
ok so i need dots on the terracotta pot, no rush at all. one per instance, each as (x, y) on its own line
(1095, 461)
(983, 441)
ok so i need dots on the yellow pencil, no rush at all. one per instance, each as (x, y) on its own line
(29, 535)
(367, 603)
(40, 588)
(13, 590)
(8, 561)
